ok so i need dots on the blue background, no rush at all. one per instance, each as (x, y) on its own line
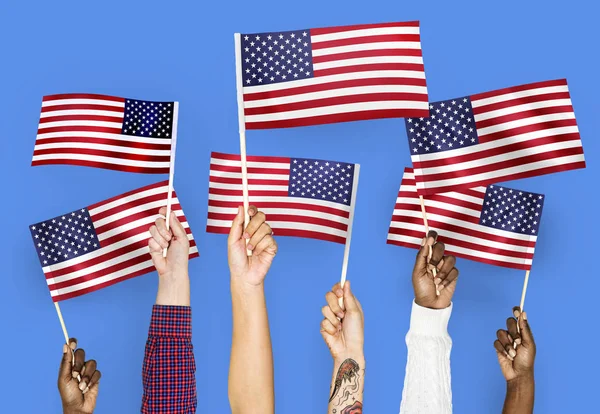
(184, 51)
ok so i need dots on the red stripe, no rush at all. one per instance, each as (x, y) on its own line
(65, 296)
(103, 153)
(497, 166)
(345, 117)
(282, 204)
(253, 158)
(457, 215)
(442, 198)
(261, 193)
(520, 88)
(79, 128)
(144, 214)
(252, 181)
(465, 256)
(367, 39)
(127, 194)
(115, 167)
(523, 115)
(251, 170)
(249, 96)
(101, 118)
(509, 177)
(337, 100)
(337, 29)
(418, 67)
(520, 101)
(543, 126)
(288, 232)
(83, 107)
(368, 53)
(130, 204)
(82, 96)
(141, 229)
(105, 141)
(273, 219)
(503, 150)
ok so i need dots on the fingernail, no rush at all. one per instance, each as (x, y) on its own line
(86, 390)
(250, 247)
(82, 385)
(65, 348)
(524, 316)
(510, 338)
(82, 373)
(437, 280)
(339, 293)
(512, 353)
(511, 358)
(518, 341)
(340, 315)
(440, 288)
(246, 236)
(517, 313)
(75, 374)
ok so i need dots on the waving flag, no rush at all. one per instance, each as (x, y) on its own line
(495, 224)
(335, 74)
(97, 246)
(106, 132)
(301, 197)
(503, 135)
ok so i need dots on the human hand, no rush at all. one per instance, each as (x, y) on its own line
(427, 286)
(516, 348)
(77, 397)
(343, 326)
(250, 270)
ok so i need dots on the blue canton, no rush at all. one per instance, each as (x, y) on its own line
(65, 237)
(512, 210)
(148, 119)
(450, 125)
(276, 57)
(321, 180)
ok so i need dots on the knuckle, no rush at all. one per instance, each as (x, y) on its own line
(324, 309)
(260, 216)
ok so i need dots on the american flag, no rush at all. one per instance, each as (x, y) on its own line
(508, 134)
(102, 244)
(333, 74)
(106, 132)
(301, 197)
(494, 224)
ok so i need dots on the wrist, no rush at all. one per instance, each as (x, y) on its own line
(239, 284)
(173, 290)
(523, 380)
(358, 357)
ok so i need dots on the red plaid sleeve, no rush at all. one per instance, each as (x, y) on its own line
(169, 372)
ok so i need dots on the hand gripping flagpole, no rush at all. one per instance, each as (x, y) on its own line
(349, 232)
(424, 212)
(242, 127)
(172, 166)
(65, 333)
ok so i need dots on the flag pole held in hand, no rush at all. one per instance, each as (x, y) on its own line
(349, 237)
(172, 165)
(424, 212)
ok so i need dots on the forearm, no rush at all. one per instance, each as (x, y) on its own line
(347, 385)
(251, 387)
(428, 364)
(173, 290)
(520, 393)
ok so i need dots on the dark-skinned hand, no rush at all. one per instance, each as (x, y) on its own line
(78, 397)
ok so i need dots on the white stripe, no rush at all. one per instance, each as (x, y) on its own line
(94, 112)
(450, 235)
(365, 46)
(335, 78)
(376, 31)
(496, 143)
(105, 135)
(282, 211)
(523, 122)
(270, 199)
(288, 225)
(334, 93)
(451, 194)
(250, 164)
(522, 108)
(337, 109)
(112, 276)
(102, 147)
(251, 176)
(80, 123)
(442, 205)
(251, 187)
(499, 174)
(96, 158)
(460, 250)
(134, 210)
(507, 156)
(137, 223)
(132, 197)
(338, 63)
(98, 101)
(516, 95)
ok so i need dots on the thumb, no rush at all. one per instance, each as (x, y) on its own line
(66, 365)
(526, 335)
(424, 251)
(350, 302)
(237, 227)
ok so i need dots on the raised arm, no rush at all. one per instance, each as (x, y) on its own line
(427, 388)
(169, 371)
(251, 388)
(516, 355)
(343, 331)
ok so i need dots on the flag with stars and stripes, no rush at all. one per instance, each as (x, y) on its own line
(106, 132)
(494, 224)
(301, 197)
(333, 74)
(102, 244)
(508, 134)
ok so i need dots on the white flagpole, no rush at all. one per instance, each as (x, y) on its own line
(524, 290)
(424, 212)
(242, 126)
(350, 222)
(65, 333)
(172, 164)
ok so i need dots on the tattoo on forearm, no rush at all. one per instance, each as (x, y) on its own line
(346, 388)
